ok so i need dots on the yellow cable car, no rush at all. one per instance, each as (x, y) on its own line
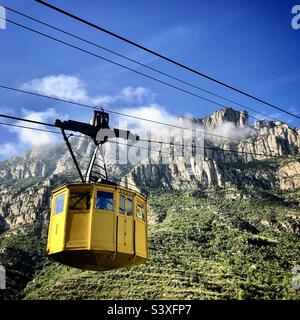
(98, 226)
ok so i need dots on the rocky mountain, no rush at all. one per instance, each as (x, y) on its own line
(257, 164)
(263, 145)
(264, 140)
(238, 118)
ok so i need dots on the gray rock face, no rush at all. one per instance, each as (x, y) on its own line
(267, 140)
(238, 118)
(20, 204)
(26, 181)
(289, 175)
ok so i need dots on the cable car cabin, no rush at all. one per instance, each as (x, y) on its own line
(98, 226)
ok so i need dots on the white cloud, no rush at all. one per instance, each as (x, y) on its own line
(153, 112)
(103, 101)
(72, 88)
(41, 116)
(229, 130)
(128, 95)
(59, 86)
(158, 113)
(28, 138)
(33, 137)
(137, 102)
(8, 150)
(138, 94)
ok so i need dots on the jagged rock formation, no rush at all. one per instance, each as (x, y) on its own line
(266, 139)
(289, 175)
(26, 181)
(238, 118)
(21, 206)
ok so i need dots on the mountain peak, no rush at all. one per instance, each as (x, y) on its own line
(239, 118)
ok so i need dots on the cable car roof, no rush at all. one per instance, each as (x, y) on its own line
(108, 183)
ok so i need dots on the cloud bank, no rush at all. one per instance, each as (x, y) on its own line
(73, 89)
(138, 102)
(26, 138)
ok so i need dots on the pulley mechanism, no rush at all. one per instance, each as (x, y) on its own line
(100, 132)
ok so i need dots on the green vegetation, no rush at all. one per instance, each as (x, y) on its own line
(270, 163)
(23, 183)
(206, 244)
(22, 255)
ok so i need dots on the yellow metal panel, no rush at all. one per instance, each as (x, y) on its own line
(77, 229)
(103, 231)
(141, 245)
(50, 226)
(129, 236)
(121, 233)
(65, 214)
(57, 225)
(141, 232)
(91, 216)
(125, 234)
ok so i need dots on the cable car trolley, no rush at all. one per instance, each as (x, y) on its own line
(97, 224)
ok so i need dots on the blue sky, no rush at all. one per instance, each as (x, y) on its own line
(248, 44)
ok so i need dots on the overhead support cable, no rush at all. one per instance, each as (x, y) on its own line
(139, 63)
(140, 73)
(179, 64)
(149, 141)
(122, 114)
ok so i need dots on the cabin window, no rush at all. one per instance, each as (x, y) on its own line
(80, 201)
(122, 204)
(59, 203)
(141, 211)
(105, 200)
(129, 206)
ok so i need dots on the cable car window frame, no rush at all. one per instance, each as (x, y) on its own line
(105, 191)
(129, 199)
(143, 211)
(122, 210)
(62, 206)
(86, 194)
